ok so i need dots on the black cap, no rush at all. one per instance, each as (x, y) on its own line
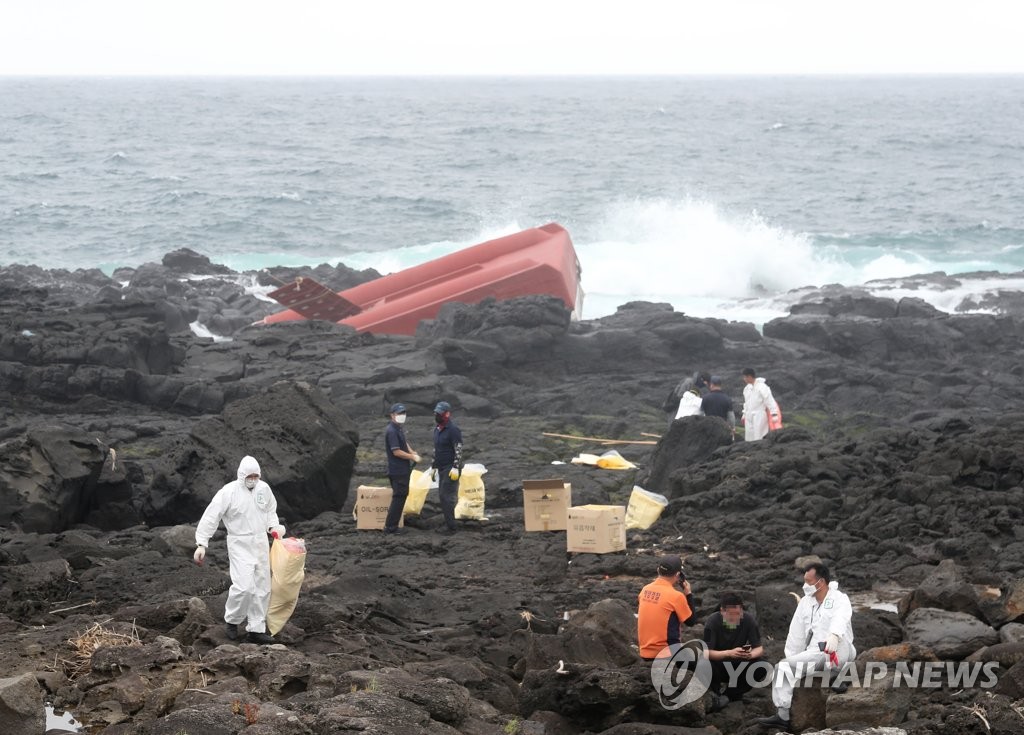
(397, 408)
(670, 565)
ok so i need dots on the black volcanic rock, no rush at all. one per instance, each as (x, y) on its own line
(185, 260)
(48, 478)
(901, 459)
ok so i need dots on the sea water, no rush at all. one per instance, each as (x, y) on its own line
(717, 195)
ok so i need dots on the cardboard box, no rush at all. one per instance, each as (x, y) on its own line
(546, 505)
(371, 508)
(596, 529)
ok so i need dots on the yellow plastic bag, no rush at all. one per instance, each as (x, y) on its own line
(419, 486)
(644, 508)
(287, 570)
(471, 493)
(614, 461)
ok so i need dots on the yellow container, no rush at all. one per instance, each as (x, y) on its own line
(644, 508)
(471, 493)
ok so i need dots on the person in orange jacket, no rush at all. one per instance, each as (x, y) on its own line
(664, 609)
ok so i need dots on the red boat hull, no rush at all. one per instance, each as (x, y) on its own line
(540, 260)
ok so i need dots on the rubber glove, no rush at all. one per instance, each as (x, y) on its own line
(199, 555)
(277, 531)
(433, 474)
(453, 473)
(832, 643)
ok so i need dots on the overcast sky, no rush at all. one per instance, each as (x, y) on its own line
(409, 37)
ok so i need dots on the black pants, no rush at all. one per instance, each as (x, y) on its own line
(448, 493)
(720, 675)
(399, 492)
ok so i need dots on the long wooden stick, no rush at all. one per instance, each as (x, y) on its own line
(644, 433)
(597, 439)
(73, 607)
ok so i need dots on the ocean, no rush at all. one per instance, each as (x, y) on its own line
(718, 195)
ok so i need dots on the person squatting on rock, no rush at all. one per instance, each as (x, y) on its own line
(733, 638)
(758, 402)
(447, 462)
(717, 403)
(663, 609)
(248, 508)
(820, 635)
(401, 459)
(679, 403)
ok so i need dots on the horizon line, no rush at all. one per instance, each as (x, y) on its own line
(509, 75)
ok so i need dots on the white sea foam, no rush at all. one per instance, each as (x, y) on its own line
(704, 261)
(200, 330)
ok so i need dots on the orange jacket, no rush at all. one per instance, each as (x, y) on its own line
(663, 611)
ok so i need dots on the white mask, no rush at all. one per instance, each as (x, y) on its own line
(400, 418)
(250, 482)
(809, 589)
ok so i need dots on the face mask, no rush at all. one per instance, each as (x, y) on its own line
(400, 418)
(250, 482)
(439, 418)
(809, 589)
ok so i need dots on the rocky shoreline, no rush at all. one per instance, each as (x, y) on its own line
(902, 467)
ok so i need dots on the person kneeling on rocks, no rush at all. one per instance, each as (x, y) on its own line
(734, 645)
(249, 511)
(664, 609)
(820, 634)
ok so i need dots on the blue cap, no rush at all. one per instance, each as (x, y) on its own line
(442, 407)
(397, 408)
(715, 380)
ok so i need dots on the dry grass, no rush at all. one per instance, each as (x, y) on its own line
(86, 644)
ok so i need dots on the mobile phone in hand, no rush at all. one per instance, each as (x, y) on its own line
(821, 646)
(746, 646)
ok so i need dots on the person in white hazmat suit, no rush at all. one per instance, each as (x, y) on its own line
(758, 402)
(820, 635)
(249, 511)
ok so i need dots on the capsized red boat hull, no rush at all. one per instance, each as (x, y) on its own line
(540, 260)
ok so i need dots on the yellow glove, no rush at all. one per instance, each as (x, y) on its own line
(453, 473)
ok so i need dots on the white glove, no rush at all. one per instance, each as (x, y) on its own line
(277, 531)
(199, 555)
(415, 458)
(832, 643)
(453, 473)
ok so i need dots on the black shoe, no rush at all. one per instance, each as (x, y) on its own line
(718, 703)
(773, 721)
(396, 531)
(262, 638)
(231, 631)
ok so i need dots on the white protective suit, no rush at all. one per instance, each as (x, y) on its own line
(812, 624)
(248, 516)
(758, 402)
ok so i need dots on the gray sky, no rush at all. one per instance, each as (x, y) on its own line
(409, 37)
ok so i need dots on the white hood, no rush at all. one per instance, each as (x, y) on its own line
(248, 466)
